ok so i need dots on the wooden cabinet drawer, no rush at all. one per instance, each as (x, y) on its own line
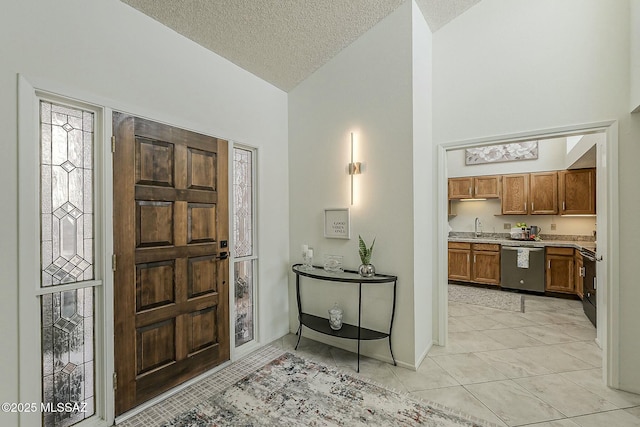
(460, 245)
(486, 247)
(553, 250)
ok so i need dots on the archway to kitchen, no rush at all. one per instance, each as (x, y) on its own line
(606, 229)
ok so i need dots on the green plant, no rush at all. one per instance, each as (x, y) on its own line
(365, 253)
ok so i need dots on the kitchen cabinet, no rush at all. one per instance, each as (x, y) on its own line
(577, 192)
(486, 263)
(560, 270)
(460, 261)
(543, 193)
(479, 187)
(486, 187)
(460, 188)
(477, 262)
(579, 273)
(515, 194)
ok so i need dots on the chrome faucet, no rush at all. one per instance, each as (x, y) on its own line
(477, 227)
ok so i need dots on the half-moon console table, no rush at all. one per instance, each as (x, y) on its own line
(352, 332)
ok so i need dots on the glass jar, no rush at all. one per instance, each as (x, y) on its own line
(335, 317)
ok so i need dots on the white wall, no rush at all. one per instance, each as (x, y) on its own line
(110, 51)
(498, 71)
(424, 189)
(634, 50)
(551, 154)
(366, 88)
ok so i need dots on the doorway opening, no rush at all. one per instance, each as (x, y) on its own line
(605, 229)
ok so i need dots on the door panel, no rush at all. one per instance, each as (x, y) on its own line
(171, 291)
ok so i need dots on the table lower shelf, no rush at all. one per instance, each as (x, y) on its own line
(348, 331)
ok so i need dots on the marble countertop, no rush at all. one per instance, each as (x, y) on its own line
(527, 243)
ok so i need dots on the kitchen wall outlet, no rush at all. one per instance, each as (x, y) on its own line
(507, 226)
(553, 226)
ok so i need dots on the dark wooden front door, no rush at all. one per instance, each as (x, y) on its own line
(171, 294)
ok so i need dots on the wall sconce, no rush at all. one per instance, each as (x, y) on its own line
(354, 168)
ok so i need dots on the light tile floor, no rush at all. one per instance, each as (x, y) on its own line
(538, 368)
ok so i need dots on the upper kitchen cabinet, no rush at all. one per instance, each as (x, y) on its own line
(461, 188)
(486, 187)
(543, 193)
(515, 194)
(577, 190)
(479, 187)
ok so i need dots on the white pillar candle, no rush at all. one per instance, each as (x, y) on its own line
(305, 248)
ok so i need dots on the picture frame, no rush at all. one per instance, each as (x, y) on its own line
(524, 150)
(337, 223)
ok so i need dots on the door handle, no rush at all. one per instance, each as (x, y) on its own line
(222, 256)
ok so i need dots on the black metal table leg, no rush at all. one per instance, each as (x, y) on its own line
(393, 313)
(299, 333)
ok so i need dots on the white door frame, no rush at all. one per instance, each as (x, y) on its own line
(608, 277)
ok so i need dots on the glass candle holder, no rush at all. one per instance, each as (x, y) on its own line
(307, 259)
(335, 317)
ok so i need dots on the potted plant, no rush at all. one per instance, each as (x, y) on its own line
(366, 268)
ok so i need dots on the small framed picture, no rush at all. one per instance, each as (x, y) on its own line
(337, 223)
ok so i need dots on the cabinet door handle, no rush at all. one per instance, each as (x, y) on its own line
(470, 191)
(476, 189)
(531, 206)
(564, 206)
(474, 259)
(549, 267)
(468, 258)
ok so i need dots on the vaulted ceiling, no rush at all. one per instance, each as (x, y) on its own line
(284, 41)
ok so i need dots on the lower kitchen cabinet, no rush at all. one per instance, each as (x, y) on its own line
(460, 261)
(560, 270)
(474, 262)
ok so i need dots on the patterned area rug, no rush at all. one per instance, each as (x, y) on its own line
(291, 391)
(501, 300)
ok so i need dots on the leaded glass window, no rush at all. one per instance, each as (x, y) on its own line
(243, 271)
(244, 251)
(66, 194)
(67, 258)
(243, 201)
(67, 356)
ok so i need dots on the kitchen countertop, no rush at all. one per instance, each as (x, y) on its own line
(527, 243)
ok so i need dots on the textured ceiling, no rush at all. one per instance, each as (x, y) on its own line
(283, 41)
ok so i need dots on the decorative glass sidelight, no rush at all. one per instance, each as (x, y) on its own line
(67, 356)
(243, 202)
(67, 257)
(66, 147)
(243, 273)
(245, 259)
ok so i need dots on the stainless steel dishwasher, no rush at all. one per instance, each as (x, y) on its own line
(529, 276)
